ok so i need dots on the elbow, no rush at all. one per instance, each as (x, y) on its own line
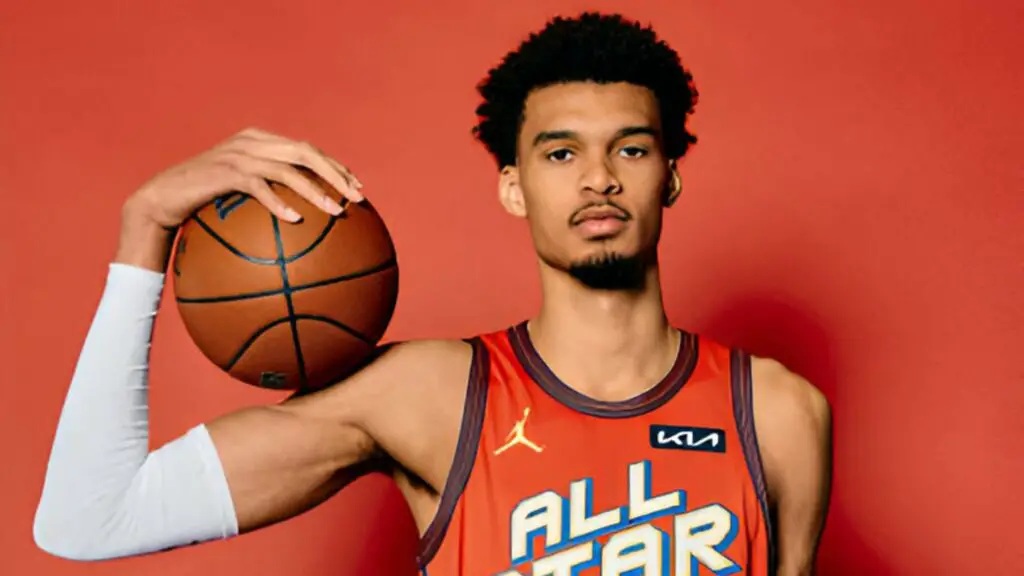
(62, 538)
(48, 538)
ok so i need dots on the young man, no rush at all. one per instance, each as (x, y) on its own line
(593, 438)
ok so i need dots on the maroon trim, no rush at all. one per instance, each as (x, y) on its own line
(662, 392)
(743, 410)
(465, 453)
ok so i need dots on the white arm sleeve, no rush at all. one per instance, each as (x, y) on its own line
(105, 495)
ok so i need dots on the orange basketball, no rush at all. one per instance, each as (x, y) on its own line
(282, 305)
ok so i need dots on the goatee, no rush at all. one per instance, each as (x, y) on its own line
(610, 271)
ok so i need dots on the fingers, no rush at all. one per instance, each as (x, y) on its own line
(256, 133)
(332, 172)
(285, 174)
(258, 188)
(351, 177)
(260, 144)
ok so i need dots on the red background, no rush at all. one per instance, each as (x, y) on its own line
(854, 208)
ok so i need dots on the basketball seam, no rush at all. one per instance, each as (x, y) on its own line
(267, 261)
(388, 265)
(283, 266)
(263, 329)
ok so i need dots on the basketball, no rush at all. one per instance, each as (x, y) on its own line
(281, 305)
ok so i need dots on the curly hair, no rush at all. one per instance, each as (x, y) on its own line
(591, 47)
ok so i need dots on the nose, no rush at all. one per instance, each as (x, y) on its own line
(600, 178)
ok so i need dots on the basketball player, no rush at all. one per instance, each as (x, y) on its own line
(594, 438)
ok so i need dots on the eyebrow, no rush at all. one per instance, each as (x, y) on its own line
(550, 135)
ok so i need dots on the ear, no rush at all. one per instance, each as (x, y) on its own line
(675, 185)
(510, 193)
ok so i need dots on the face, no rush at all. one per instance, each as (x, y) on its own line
(591, 178)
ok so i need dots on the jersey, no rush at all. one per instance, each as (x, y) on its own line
(548, 481)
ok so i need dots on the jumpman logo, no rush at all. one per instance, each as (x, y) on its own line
(518, 436)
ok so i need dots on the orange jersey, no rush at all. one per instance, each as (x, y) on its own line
(547, 481)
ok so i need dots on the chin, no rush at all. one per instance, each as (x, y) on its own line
(609, 248)
(611, 270)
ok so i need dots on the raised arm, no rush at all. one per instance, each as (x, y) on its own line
(106, 494)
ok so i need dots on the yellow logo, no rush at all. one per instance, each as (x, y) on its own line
(518, 436)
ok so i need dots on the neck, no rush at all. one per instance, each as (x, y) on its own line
(609, 345)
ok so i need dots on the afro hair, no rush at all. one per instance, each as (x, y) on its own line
(592, 47)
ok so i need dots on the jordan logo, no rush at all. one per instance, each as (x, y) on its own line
(518, 436)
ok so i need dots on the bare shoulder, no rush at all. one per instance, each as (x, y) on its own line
(793, 421)
(416, 377)
(398, 379)
(407, 403)
(785, 399)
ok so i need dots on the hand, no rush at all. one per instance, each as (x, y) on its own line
(243, 163)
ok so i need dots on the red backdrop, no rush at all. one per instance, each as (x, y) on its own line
(854, 208)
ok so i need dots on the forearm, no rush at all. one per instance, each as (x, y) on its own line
(105, 494)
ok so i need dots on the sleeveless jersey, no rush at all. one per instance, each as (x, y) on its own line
(547, 481)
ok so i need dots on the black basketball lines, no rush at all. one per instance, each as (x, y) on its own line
(225, 205)
(224, 208)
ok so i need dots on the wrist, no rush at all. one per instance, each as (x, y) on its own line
(143, 243)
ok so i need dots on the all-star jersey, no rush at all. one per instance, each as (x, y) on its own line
(547, 481)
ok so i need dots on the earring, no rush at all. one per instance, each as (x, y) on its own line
(674, 189)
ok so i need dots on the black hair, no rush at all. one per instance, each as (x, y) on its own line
(591, 47)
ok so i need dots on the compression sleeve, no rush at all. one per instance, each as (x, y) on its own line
(105, 494)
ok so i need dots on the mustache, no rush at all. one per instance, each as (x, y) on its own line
(606, 209)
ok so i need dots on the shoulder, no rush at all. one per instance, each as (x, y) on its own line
(792, 418)
(411, 402)
(397, 375)
(780, 393)
(408, 366)
(418, 354)
(427, 365)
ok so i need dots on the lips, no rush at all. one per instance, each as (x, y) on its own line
(600, 222)
(599, 213)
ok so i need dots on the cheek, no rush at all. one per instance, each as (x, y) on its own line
(548, 222)
(548, 195)
(649, 217)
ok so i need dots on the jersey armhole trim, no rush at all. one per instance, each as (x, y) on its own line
(465, 452)
(743, 410)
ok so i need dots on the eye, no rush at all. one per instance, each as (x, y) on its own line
(560, 155)
(633, 151)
